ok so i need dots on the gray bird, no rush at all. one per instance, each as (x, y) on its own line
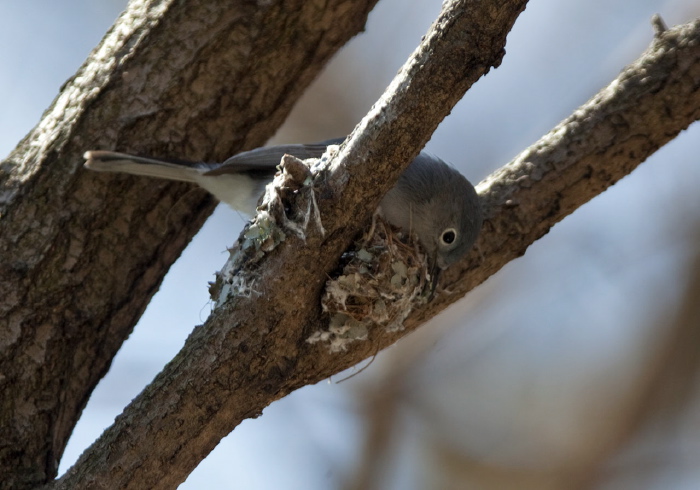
(430, 199)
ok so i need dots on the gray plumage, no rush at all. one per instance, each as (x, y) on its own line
(430, 199)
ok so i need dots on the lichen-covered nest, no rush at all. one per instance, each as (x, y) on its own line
(383, 277)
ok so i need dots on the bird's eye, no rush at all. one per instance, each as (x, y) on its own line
(448, 236)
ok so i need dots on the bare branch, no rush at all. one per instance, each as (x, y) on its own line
(81, 255)
(657, 22)
(646, 106)
(253, 350)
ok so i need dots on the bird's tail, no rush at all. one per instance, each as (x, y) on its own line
(110, 161)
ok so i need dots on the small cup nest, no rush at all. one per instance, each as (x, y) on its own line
(382, 278)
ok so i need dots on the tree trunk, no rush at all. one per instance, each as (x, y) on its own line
(81, 254)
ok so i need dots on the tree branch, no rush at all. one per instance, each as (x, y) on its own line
(252, 350)
(83, 254)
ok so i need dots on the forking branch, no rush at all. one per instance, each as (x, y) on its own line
(254, 359)
(259, 351)
(515, 192)
(81, 256)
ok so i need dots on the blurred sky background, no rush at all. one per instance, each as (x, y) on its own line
(520, 384)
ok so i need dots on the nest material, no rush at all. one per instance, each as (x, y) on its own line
(382, 278)
(270, 225)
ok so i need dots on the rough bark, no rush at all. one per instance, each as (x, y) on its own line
(646, 106)
(252, 350)
(81, 254)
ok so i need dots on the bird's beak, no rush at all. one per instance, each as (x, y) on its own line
(435, 271)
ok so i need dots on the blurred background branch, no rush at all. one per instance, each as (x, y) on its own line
(672, 363)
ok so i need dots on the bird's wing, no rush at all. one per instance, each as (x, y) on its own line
(268, 158)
